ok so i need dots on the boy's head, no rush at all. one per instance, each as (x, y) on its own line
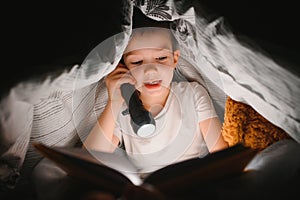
(151, 56)
(151, 37)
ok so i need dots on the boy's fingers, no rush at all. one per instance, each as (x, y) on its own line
(121, 65)
(119, 70)
(118, 79)
(122, 73)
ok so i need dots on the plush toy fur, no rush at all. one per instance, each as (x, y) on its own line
(242, 124)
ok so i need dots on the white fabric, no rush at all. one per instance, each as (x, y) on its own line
(177, 136)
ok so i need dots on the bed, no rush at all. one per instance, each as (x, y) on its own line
(61, 110)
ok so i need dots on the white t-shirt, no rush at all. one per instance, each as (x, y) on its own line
(177, 136)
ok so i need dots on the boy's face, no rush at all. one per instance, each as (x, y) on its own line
(151, 61)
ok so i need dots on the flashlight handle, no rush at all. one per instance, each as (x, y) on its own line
(139, 115)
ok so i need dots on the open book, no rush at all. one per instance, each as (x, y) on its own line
(113, 172)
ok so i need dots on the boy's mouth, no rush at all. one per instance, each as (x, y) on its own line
(152, 84)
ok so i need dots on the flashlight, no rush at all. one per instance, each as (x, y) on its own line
(142, 121)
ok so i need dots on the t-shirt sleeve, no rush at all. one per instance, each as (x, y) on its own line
(203, 103)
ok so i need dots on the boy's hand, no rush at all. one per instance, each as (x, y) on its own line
(114, 80)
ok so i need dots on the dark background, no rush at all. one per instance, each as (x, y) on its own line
(47, 36)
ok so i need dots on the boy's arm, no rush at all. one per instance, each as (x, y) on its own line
(102, 136)
(211, 132)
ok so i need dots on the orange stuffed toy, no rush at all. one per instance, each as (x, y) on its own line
(242, 124)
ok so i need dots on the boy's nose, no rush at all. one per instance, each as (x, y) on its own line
(150, 68)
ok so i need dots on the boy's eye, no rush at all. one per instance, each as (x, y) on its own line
(137, 62)
(161, 58)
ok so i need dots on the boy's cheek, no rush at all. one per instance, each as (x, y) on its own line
(139, 79)
(136, 75)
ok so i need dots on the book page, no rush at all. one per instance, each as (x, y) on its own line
(120, 162)
(116, 161)
(215, 167)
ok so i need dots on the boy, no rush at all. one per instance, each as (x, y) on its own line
(186, 123)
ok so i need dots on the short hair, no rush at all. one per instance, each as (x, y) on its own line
(141, 23)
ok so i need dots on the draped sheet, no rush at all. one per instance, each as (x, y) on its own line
(62, 110)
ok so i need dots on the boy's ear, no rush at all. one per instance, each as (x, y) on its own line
(176, 54)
